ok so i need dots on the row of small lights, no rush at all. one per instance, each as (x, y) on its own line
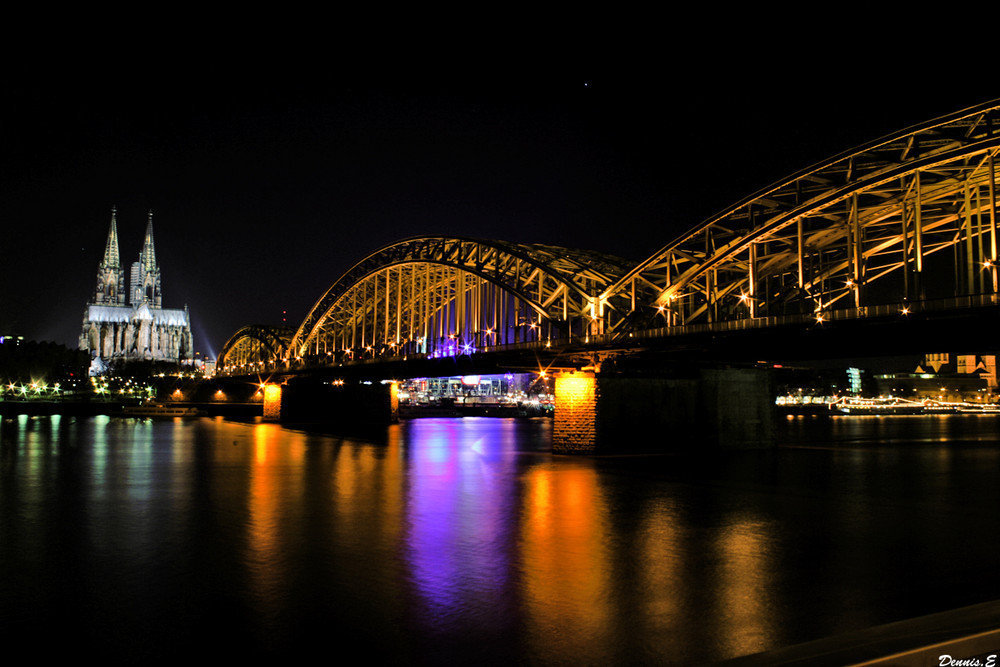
(40, 388)
(36, 388)
(745, 298)
(101, 387)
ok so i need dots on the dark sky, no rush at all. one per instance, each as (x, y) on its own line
(268, 178)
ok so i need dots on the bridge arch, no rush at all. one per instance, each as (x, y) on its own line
(870, 226)
(900, 221)
(255, 348)
(439, 295)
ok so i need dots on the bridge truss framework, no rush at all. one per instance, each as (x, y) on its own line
(441, 296)
(891, 225)
(861, 229)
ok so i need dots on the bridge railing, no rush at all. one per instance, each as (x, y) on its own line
(617, 340)
(862, 312)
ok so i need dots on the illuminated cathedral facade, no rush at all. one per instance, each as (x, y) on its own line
(129, 323)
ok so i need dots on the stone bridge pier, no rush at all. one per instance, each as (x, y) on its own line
(685, 410)
(682, 411)
(331, 403)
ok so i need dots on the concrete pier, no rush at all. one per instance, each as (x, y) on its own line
(316, 402)
(690, 410)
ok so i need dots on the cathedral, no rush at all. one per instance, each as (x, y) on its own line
(131, 324)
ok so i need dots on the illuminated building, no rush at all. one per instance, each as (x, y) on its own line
(140, 329)
(946, 377)
(983, 366)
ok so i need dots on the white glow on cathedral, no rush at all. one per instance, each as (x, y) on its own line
(141, 329)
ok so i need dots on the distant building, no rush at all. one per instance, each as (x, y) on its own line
(945, 377)
(983, 366)
(132, 325)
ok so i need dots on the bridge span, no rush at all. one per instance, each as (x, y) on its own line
(898, 236)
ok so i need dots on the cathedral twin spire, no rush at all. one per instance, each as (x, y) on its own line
(110, 277)
(111, 251)
(126, 323)
(145, 274)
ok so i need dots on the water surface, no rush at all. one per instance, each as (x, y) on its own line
(459, 541)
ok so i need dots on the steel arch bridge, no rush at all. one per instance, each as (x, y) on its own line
(893, 225)
(255, 348)
(909, 217)
(441, 295)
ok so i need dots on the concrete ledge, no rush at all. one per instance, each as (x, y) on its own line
(966, 635)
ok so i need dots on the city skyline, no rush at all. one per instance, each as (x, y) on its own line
(263, 197)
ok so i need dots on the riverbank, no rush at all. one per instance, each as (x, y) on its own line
(68, 408)
(966, 634)
(115, 408)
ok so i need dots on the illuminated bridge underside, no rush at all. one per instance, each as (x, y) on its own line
(907, 218)
(444, 295)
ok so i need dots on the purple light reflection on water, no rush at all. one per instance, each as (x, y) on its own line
(458, 541)
(459, 502)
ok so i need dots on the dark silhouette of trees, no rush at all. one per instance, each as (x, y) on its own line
(33, 361)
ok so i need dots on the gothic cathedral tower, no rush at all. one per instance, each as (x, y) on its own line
(114, 331)
(110, 276)
(145, 278)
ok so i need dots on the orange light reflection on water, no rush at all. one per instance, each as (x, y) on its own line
(566, 573)
(742, 587)
(275, 453)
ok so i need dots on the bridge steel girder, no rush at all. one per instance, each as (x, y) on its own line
(908, 218)
(442, 295)
(867, 227)
(255, 348)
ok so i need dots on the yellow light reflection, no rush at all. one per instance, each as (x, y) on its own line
(278, 458)
(666, 592)
(742, 590)
(567, 577)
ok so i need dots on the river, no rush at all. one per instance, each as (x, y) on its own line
(464, 541)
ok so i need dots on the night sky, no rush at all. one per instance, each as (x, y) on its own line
(268, 178)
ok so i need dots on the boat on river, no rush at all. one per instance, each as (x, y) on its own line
(158, 410)
(984, 409)
(897, 406)
(877, 406)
